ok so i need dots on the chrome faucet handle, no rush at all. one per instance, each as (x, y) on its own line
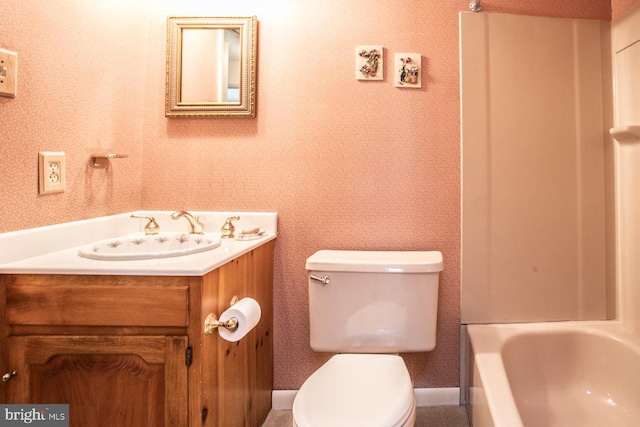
(195, 226)
(228, 228)
(151, 227)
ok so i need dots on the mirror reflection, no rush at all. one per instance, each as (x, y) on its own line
(210, 66)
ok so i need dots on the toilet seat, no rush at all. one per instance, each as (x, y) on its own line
(357, 390)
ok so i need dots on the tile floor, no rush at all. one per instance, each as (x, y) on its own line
(429, 416)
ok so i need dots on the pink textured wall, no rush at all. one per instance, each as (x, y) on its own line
(80, 90)
(619, 7)
(346, 164)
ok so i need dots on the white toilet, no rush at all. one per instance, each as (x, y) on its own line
(367, 306)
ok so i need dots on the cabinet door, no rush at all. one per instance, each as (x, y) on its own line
(106, 380)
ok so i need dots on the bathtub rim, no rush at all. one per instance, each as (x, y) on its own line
(485, 343)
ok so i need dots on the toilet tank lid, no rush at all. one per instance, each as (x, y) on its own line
(376, 261)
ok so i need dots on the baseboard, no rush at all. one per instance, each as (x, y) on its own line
(283, 399)
(443, 396)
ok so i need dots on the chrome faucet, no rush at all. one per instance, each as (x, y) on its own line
(195, 226)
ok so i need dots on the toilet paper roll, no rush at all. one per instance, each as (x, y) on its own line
(247, 312)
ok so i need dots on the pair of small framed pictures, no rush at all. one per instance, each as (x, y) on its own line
(407, 66)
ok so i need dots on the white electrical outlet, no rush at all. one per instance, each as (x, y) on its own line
(51, 172)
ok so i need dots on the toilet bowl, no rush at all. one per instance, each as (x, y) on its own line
(357, 390)
(367, 306)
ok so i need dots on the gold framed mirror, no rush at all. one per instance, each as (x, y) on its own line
(211, 66)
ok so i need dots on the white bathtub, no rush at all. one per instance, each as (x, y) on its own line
(569, 374)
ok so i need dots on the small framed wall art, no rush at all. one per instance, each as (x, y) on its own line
(369, 63)
(408, 70)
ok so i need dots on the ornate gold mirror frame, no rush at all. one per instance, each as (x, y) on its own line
(211, 66)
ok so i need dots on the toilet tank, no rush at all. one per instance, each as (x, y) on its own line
(374, 301)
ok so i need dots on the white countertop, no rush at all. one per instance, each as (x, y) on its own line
(54, 249)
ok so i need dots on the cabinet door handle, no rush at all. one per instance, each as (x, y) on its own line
(9, 376)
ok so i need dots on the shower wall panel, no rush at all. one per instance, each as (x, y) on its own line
(625, 36)
(533, 175)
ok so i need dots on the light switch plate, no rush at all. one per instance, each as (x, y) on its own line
(8, 73)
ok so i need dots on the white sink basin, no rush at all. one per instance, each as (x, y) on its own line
(141, 246)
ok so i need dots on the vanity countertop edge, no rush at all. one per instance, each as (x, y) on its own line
(35, 251)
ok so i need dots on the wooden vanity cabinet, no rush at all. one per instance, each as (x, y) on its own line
(129, 350)
(106, 380)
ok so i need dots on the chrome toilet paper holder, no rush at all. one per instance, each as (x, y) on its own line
(211, 323)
